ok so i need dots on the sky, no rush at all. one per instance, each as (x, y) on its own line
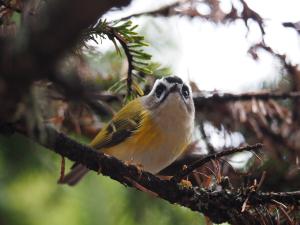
(215, 55)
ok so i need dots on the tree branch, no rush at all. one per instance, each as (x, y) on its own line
(201, 100)
(129, 59)
(162, 11)
(219, 206)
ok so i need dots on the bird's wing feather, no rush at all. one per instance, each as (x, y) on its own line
(122, 126)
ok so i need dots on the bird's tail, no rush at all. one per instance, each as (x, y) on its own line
(74, 176)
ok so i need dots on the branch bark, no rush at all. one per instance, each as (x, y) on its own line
(219, 206)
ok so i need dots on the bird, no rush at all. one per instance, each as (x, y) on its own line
(151, 131)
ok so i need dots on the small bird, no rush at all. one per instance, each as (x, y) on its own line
(151, 131)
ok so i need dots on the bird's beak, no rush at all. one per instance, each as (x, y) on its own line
(174, 88)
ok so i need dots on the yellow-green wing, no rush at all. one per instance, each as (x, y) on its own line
(122, 126)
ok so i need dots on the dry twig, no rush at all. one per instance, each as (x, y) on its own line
(199, 163)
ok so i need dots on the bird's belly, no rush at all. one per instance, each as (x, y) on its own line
(152, 150)
(150, 158)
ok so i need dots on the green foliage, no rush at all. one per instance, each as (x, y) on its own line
(139, 62)
(159, 71)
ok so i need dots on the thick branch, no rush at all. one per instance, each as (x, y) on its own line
(219, 206)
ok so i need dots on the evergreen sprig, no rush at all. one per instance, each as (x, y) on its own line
(132, 43)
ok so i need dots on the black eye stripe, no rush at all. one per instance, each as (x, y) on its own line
(159, 90)
(185, 91)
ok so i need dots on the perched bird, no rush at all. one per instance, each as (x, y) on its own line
(151, 131)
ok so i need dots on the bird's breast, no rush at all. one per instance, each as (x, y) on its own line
(159, 140)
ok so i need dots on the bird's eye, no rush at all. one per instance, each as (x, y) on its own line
(185, 92)
(160, 89)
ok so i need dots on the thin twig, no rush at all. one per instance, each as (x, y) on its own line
(209, 146)
(279, 203)
(245, 203)
(292, 196)
(262, 179)
(255, 189)
(130, 65)
(208, 158)
(162, 11)
(288, 218)
(112, 34)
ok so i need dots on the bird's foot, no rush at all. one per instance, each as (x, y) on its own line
(138, 166)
